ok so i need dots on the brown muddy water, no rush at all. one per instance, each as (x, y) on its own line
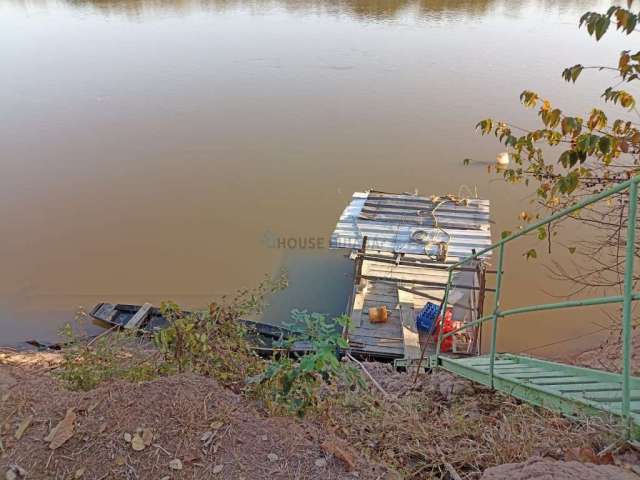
(150, 148)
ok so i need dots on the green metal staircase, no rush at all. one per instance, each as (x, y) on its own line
(574, 391)
(563, 388)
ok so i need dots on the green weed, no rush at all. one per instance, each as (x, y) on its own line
(87, 364)
(291, 385)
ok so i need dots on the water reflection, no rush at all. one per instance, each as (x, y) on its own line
(359, 9)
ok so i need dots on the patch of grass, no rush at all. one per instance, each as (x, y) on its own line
(115, 356)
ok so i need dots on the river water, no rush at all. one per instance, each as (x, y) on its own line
(151, 148)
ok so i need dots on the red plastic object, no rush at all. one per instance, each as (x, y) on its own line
(447, 343)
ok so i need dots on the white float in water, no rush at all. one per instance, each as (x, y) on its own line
(502, 158)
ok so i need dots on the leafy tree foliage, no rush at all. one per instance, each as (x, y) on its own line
(593, 151)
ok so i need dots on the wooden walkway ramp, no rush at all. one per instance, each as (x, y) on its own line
(563, 388)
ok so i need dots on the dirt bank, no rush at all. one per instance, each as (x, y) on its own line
(608, 356)
(444, 424)
(188, 426)
(543, 469)
(194, 429)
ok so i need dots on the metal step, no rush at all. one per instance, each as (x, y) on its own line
(559, 387)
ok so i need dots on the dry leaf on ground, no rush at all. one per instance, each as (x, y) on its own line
(137, 443)
(24, 424)
(147, 436)
(341, 451)
(63, 431)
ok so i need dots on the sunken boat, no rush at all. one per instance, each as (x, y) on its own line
(265, 338)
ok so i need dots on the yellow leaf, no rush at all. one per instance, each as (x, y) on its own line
(24, 424)
(217, 425)
(137, 443)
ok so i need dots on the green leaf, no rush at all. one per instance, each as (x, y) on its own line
(602, 24)
(572, 250)
(542, 233)
(485, 126)
(569, 183)
(604, 144)
(571, 74)
(531, 253)
(505, 233)
(571, 125)
(529, 98)
(568, 158)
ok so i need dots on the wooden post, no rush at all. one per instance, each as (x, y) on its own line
(360, 260)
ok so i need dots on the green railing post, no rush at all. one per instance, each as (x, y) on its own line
(443, 310)
(626, 306)
(496, 309)
(626, 299)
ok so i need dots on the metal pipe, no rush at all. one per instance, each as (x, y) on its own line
(587, 302)
(481, 294)
(626, 307)
(496, 309)
(412, 263)
(443, 312)
(547, 306)
(431, 285)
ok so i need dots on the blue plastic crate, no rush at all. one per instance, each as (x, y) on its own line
(426, 319)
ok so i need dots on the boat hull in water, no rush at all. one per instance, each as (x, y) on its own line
(264, 338)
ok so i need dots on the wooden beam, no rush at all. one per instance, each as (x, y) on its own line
(138, 318)
(361, 254)
(409, 263)
(418, 293)
(433, 285)
(409, 332)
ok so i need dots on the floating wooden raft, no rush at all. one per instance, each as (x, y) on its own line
(395, 270)
(404, 290)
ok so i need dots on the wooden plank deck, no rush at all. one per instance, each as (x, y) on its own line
(398, 338)
(376, 338)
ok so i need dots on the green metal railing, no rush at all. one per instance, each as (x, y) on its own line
(626, 299)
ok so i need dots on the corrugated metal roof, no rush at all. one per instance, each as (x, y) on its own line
(390, 220)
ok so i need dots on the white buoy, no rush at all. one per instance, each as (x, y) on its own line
(502, 159)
